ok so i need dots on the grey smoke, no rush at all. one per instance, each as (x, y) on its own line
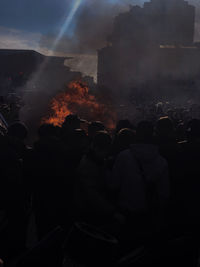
(90, 29)
(93, 23)
(91, 26)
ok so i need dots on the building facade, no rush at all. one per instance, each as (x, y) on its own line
(18, 67)
(151, 48)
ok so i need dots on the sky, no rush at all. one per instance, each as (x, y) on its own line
(63, 27)
(40, 22)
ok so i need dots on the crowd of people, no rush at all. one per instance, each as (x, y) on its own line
(140, 183)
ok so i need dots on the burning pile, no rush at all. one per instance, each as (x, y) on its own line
(78, 100)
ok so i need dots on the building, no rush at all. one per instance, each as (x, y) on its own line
(17, 67)
(151, 50)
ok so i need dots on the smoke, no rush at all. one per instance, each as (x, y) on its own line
(89, 30)
(50, 78)
(87, 33)
(93, 23)
(90, 26)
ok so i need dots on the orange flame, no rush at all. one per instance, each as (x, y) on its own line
(78, 100)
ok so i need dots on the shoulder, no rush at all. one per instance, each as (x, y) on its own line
(87, 166)
(124, 155)
(125, 160)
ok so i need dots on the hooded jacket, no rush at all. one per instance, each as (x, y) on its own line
(91, 201)
(133, 170)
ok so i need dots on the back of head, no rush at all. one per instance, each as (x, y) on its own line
(125, 138)
(95, 127)
(165, 128)
(181, 131)
(122, 124)
(77, 140)
(144, 132)
(48, 130)
(102, 140)
(100, 146)
(193, 130)
(18, 130)
(72, 122)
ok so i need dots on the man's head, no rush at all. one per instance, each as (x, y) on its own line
(18, 130)
(125, 138)
(95, 127)
(193, 130)
(122, 124)
(78, 141)
(72, 122)
(144, 132)
(48, 130)
(101, 144)
(165, 128)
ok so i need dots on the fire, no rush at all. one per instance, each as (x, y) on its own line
(78, 100)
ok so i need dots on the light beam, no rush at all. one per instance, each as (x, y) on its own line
(67, 23)
(61, 33)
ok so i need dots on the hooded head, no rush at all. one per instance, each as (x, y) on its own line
(101, 145)
(193, 130)
(165, 129)
(144, 132)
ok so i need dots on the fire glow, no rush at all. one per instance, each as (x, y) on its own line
(78, 100)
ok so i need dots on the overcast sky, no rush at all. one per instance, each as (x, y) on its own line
(35, 24)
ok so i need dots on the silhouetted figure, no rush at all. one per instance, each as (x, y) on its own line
(48, 180)
(12, 204)
(181, 131)
(95, 127)
(124, 124)
(91, 200)
(123, 139)
(17, 133)
(165, 131)
(166, 140)
(47, 130)
(188, 186)
(76, 144)
(145, 132)
(169, 149)
(72, 122)
(141, 185)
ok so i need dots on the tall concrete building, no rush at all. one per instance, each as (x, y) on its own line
(151, 49)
